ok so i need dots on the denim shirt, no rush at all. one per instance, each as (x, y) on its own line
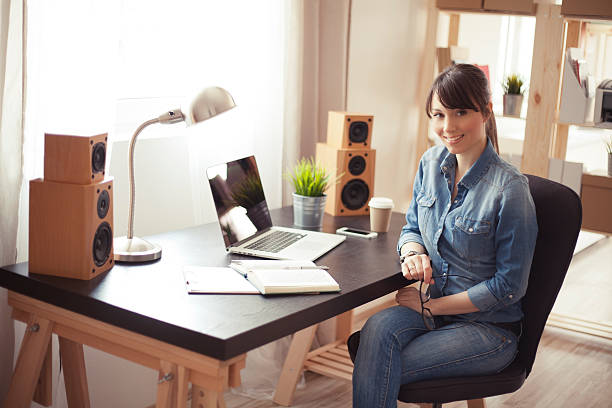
(487, 233)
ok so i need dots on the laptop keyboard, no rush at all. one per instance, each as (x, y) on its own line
(275, 241)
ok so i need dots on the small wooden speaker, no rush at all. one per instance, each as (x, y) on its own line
(75, 159)
(71, 228)
(349, 130)
(350, 196)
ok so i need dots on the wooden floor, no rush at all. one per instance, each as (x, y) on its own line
(571, 369)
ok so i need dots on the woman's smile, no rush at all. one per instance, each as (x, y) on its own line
(452, 140)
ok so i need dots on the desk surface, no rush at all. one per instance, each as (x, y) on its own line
(151, 299)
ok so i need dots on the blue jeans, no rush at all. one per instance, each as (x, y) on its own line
(396, 348)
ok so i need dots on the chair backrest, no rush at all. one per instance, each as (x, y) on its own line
(559, 215)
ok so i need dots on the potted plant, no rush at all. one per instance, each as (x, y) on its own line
(310, 181)
(609, 149)
(513, 95)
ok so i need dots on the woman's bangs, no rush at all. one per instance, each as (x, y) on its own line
(453, 95)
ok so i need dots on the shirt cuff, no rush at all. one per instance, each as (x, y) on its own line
(409, 237)
(481, 297)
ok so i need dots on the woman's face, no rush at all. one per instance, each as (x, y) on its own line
(461, 130)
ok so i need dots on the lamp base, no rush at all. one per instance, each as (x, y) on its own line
(135, 250)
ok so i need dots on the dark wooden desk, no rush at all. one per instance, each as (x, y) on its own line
(143, 312)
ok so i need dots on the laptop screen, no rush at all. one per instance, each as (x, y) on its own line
(239, 199)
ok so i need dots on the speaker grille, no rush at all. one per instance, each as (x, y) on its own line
(103, 204)
(357, 165)
(355, 194)
(102, 243)
(98, 157)
(358, 132)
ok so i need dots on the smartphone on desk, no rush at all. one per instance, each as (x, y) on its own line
(354, 232)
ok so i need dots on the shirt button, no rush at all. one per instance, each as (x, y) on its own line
(444, 168)
(455, 201)
(471, 229)
(510, 296)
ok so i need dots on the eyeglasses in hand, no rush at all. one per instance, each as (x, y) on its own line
(425, 297)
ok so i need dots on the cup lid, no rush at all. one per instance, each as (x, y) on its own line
(381, 202)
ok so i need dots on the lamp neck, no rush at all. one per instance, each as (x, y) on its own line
(130, 231)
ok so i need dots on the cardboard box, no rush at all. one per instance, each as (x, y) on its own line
(597, 202)
(514, 6)
(459, 4)
(597, 9)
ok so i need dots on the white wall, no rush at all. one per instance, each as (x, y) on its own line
(386, 44)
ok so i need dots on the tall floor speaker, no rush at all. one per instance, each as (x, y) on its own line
(71, 228)
(355, 169)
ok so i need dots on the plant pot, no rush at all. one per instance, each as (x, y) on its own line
(610, 164)
(308, 211)
(513, 104)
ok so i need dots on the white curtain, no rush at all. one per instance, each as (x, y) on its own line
(97, 67)
(11, 23)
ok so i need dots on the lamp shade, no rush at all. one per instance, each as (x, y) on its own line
(208, 103)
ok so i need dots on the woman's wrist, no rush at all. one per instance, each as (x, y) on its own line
(409, 253)
(410, 249)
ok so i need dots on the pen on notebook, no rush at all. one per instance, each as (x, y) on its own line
(305, 267)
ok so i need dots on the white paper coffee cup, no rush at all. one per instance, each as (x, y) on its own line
(380, 213)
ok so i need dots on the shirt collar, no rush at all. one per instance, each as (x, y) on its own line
(478, 169)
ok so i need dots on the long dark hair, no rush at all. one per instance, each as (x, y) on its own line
(465, 86)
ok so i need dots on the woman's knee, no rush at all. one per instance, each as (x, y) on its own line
(389, 321)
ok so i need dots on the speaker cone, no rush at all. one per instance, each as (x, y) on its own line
(102, 243)
(355, 194)
(98, 157)
(103, 203)
(356, 165)
(358, 132)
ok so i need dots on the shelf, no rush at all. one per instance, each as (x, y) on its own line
(585, 125)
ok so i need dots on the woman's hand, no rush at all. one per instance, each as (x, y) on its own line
(409, 297)
(417, 267)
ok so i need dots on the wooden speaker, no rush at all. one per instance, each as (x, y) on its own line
(350, 196)
(75, 159)
(71, 228)
(349, 130)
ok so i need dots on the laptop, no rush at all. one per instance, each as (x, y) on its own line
(245, 220)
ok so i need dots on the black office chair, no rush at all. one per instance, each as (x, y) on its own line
(559, 215)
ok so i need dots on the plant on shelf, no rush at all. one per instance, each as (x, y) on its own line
(513, 95)
(310, 180)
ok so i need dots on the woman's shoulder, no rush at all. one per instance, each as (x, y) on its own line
(504, 175)
(435, 154)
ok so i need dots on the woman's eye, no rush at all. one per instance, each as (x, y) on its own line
(461, 112)
(437, 115)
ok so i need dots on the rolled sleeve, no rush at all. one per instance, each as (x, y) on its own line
(482, 297)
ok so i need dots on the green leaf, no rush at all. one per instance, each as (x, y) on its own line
(309, 178)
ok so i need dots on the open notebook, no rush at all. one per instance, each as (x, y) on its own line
(260, 276)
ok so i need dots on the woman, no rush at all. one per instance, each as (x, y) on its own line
(470, 233)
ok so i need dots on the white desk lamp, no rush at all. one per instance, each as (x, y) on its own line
(208, 103)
